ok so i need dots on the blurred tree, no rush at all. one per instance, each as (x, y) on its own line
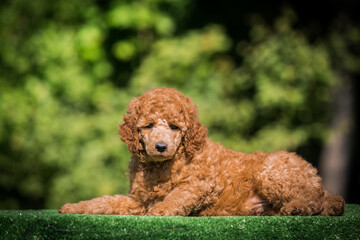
(69, 68)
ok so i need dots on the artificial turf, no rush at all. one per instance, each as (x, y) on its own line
(49, 224)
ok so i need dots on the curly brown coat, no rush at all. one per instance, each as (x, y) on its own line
(176, 169)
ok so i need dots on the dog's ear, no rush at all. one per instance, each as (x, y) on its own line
(128, 130)
(195, 135)
(194, 139)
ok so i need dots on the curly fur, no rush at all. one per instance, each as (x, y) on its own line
(177, 170)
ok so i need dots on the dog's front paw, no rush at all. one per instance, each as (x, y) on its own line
(71, 208)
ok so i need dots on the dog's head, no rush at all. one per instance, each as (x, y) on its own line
(159, 122)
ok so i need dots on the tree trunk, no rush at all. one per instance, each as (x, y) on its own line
(336, 154)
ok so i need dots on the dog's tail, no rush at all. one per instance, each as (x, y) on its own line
(333, 205)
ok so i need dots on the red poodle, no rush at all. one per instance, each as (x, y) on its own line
(176, 170)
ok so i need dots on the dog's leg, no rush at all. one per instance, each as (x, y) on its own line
(180, 202)
(116, 205)
(290, 185)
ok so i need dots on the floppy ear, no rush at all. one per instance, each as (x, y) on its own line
(194, 139)
(195, 135)
(128, 130)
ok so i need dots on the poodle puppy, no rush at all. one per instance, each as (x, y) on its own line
(176, 170)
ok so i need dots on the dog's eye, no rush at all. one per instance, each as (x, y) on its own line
(149, 126)
(174, 127)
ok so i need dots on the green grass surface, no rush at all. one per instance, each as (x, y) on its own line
(48, 224)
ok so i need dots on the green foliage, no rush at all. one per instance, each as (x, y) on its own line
(69, 68)
(182, 62)
(290, 84)
(345, 49)
(59, 126)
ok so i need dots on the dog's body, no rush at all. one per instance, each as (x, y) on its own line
(177, 170)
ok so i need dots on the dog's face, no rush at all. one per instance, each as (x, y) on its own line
(161, 126)
(159, 138)
(159, 123)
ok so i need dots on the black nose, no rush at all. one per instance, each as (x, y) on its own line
(161, 146)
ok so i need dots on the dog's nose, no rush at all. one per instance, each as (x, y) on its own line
(161, 146)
